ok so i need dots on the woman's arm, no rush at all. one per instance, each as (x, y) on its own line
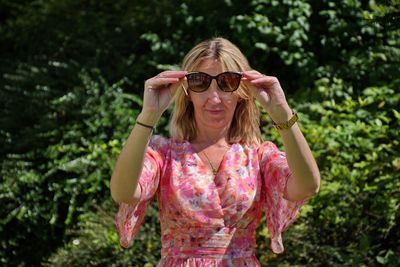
(127, 170)
(305, 179)
(158, 94)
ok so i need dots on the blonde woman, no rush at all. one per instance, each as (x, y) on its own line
(214, 176)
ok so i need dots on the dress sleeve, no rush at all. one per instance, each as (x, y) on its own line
(280, 212)
(129, 217)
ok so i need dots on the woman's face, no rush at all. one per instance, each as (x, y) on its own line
(213, 107)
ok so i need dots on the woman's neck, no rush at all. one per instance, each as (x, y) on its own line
(210, 136)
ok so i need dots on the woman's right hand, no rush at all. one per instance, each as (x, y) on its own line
(159, 92)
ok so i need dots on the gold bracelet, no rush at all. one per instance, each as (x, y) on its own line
(287, 124)
(145, 125)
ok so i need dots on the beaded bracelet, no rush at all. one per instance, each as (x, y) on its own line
(287, 124)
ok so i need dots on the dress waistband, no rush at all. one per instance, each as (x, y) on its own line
(222, 242)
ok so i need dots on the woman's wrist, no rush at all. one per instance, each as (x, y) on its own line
(281, 114)
(287, 124)
(148, 118)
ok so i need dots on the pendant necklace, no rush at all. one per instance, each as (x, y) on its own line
(214, 170)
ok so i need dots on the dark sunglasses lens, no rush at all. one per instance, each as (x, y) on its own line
(229, 82)
(198, 82)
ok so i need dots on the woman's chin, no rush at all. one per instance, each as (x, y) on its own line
(220, 124)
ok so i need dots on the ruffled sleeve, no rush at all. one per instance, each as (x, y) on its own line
(129, 217)
(280, 212)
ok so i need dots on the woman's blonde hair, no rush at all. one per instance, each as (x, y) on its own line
(245, 126)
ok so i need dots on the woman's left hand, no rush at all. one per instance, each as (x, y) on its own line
(269, 93)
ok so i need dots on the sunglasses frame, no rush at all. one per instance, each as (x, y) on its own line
(213, 78)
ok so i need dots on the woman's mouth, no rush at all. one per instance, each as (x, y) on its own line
(215, 111)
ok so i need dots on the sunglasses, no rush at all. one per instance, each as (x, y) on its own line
(227, 81)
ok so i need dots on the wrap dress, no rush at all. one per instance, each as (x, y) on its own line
(209, 220)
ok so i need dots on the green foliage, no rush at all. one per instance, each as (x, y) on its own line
(96, 243)
(353, 221)
(72, 73)
(44, 190)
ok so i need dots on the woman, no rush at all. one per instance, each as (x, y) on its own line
(214, 176)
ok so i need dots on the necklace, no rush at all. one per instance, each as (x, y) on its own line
(214, 170)
(209, 162)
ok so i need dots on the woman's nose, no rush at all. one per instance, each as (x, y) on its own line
(214, 92)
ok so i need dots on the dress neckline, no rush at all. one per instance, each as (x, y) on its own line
(200, 160)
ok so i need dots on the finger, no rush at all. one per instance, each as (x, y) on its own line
(172, 74)
(181, 75)
(251, 74)
(165, 78)
(259, 90)
(175, 86)
(259, 82)
(157, 83)
(264, 79)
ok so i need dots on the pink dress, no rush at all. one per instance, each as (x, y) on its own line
(207, 220)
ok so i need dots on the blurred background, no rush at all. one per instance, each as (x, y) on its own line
(72, 74)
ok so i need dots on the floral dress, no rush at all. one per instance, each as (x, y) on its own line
(209, 220)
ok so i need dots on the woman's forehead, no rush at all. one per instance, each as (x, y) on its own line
(211, 66)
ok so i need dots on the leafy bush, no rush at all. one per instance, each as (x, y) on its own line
(96, 242)
(44, 191)
(353, 221)
(72, 73)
